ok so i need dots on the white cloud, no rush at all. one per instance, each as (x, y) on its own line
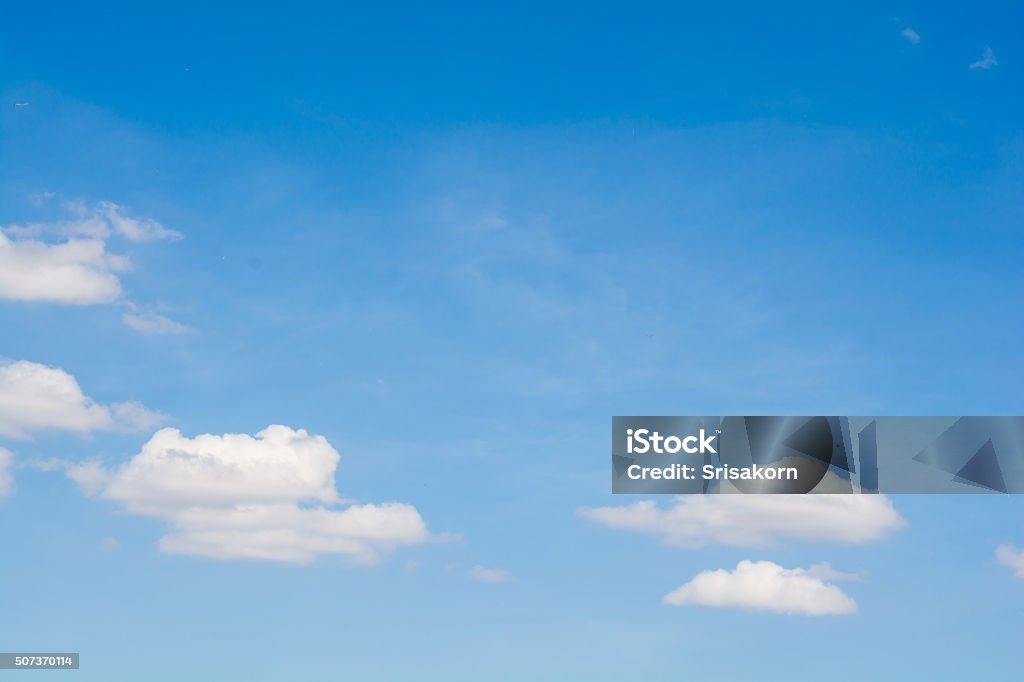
(824, 571)
(133, 229)
(1011, 557)
(133, 416)
(101, 220)
(6, 482)
(90, 476)
(35, 397)
(268, 497)
(489, 575)
(755, 520)
(911, 36)
(80, 270)
(764, 586)
(278, 465)
(153, 323)
(75, 272)
(987, 61)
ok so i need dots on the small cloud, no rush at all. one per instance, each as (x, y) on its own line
(133, 229)
(153, 323)
(764, 586)
(1011, 557)
(911, 36)
(76, 268)
(35, 397)
(987, 61)
(410, 567)
(46, 463)
(110, 543)
(40, 199)
(824, 571)
(6, 480)
(90, 476)
(75, 272)
(489, 575)
(134, 416)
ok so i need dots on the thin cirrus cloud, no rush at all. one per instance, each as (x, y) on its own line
(268, 497)
(755, 520)
(987, 61)
(36, 397)
(489, 575)
(1012, 558)
(768, 587)
(147, 322)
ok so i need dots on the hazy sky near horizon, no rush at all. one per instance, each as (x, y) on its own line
(313, 319)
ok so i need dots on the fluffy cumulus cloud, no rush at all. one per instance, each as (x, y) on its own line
(755, 520)
(75, 272)
(489, 575)
(1012, 558)
(6, 460)
(75, 268)
(35, 397)
(765, 586)
(270, 496)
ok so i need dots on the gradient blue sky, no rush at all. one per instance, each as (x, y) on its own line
(454, 240)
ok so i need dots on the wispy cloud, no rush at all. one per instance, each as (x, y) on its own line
(99, 220)
(153, 323)
(489, 575)
(911, 36)
(987, 61)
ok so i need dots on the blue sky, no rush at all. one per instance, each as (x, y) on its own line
(453, 242)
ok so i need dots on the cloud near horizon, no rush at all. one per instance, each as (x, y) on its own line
(270, 497)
